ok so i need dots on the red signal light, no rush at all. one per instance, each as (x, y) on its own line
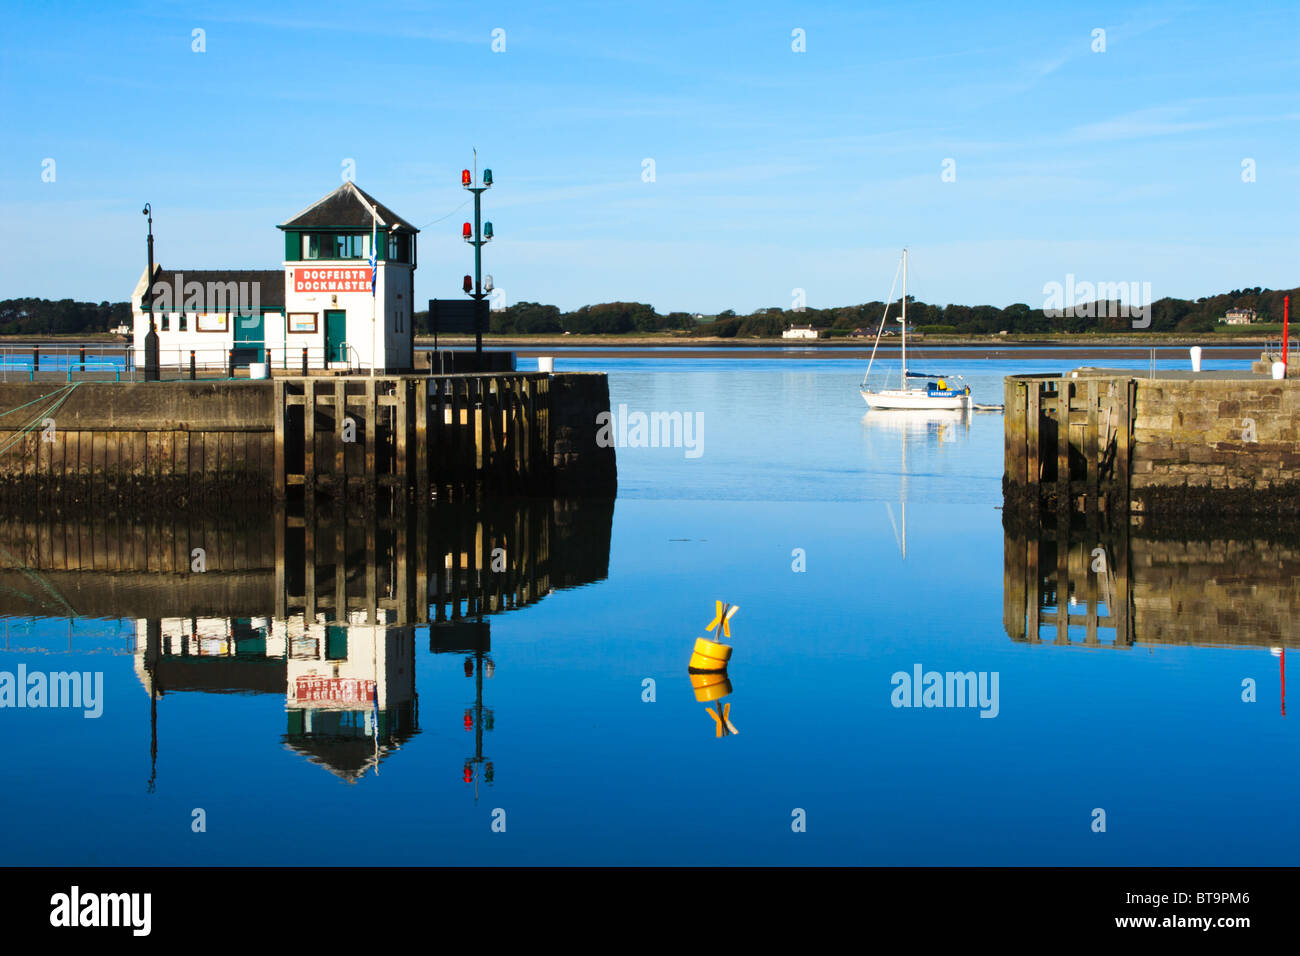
(468, 284)
(465, 231)
(464, 177)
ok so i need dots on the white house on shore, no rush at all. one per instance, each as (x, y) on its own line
(1238, 317)
(320, 300)
(799, 332)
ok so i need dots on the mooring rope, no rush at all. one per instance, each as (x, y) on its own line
(33, 575)
(33, 423)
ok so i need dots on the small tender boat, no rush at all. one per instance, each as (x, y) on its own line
(937, 392)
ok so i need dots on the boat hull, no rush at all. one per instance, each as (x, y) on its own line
(916, 399)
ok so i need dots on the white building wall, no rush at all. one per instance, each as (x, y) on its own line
(391, 307)
(211, 348)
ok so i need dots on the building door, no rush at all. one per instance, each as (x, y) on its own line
(250, 337)
(336, 335)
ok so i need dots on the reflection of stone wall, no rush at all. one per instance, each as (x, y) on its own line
(1216, 592)
(1212, 592)
(118, 568)
(580, 546)
(461, 557)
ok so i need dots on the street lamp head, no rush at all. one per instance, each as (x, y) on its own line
(487, 283)
(146, 210)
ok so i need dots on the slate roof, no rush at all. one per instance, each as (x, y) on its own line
(349, 207)
(270, 281)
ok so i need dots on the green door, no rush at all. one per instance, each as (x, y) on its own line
(250, 337)
(336, 334)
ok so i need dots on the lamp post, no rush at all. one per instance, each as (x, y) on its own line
(481, 235)
(151, 370)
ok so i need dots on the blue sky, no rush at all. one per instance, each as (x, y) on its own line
(774, 170)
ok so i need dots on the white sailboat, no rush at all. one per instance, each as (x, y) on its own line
(936, 394)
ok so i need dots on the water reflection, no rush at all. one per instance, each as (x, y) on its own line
(322, 608)
(920, 430)
(1071, 583)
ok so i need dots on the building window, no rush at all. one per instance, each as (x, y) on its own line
(335, 246)
(399, 247)
(163, 324)
(181, 322)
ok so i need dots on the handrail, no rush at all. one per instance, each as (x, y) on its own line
(347, 346)
(115, 369)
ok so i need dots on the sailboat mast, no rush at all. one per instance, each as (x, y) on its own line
(904, 318)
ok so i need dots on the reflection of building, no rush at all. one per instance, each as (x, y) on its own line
(351, 694)
(349, 688)
(326, 612)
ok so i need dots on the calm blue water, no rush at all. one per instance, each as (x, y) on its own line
(585, 770)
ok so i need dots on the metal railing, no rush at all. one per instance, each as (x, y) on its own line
(300, 358)
(28, 363)
(1274, 346)
(118, 363)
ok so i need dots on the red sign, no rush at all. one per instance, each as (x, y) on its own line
(332, 280)
(343, 690)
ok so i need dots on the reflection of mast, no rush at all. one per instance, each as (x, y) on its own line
(1282, 666)
(374, 710)
(936, 424)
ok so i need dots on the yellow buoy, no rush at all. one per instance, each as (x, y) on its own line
(709, 656)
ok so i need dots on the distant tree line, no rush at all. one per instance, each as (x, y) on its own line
(606, 318)
(1167, 315)
(64, 317)
(613, 318)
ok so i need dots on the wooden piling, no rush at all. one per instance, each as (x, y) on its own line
(372, 426)
(421, 398)
(1033, 417)
(1063, 390)
(281, 410)
(340, 423)
(309, 433)
(1090, 445)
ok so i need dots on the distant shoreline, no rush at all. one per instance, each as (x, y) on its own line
(1066, 347)
(1133, 346)
(1127, 340)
